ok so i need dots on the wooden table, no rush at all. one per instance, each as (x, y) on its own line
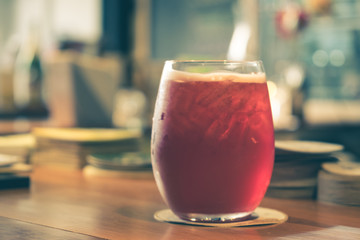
(65, 204)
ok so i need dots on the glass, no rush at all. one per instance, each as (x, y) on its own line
(212, 144)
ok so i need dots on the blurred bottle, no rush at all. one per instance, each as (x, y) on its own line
(28, 78)
(7, 62)
(130, 103)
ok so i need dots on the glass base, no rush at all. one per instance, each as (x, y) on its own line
(215, 218)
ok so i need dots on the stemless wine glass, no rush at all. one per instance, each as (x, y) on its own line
(212, 144)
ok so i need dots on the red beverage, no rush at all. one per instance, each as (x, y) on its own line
(212, 142)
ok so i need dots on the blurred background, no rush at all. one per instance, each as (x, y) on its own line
(97, 63)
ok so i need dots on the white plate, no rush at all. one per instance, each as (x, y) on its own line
(310, 147)
(7, 160)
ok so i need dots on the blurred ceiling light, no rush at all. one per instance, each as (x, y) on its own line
(337, 58)
(320, 58)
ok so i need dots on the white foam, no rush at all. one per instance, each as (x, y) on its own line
(180, 76)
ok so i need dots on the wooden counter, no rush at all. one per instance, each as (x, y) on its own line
(68, 205)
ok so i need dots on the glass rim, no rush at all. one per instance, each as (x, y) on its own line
(216, 61)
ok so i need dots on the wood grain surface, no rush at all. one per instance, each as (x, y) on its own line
(64, 204)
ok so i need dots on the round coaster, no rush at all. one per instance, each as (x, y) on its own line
(261, 216)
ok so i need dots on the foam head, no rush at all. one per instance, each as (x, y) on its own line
(180, 76)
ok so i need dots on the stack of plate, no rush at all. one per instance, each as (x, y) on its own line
(68, 147)
(296, 167)
(19, 145)
(128, 164)
(339, 182)
(13, 173)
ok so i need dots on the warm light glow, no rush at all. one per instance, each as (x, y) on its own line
(281, 107)
(275, 103)
(337, 58)
(239, 42)
(294, 76)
